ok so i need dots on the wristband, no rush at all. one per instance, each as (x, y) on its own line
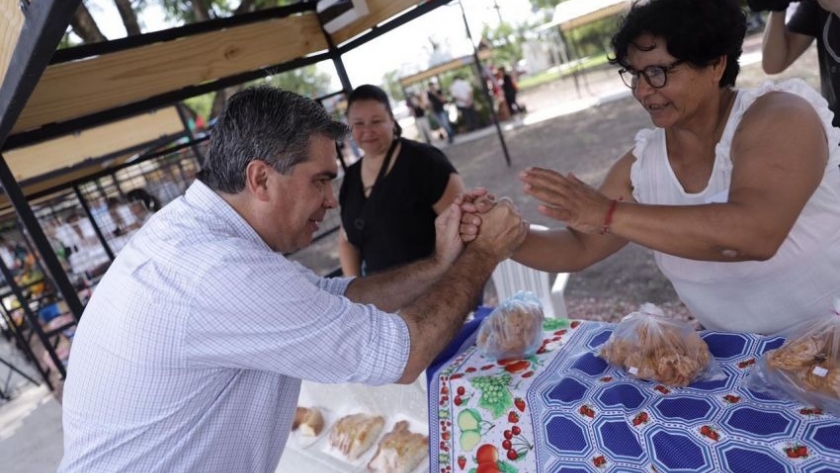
(605, 227)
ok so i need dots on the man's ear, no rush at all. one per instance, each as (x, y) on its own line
(256, 179)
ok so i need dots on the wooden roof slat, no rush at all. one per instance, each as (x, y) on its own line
(68, 151)
(11, 19)
(79, 88)
(380, 10)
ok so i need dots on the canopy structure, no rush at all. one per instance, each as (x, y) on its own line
(71, 113)
(574, 13)
(435, 71)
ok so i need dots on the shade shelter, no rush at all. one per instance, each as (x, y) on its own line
(48, 95)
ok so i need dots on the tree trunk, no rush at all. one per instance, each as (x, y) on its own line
(245, 6)
(200, 10)
(129, 17)
(85, 26)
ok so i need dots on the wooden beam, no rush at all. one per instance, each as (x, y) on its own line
(379, 11)
(61, 153)
(79, 88)
(11, 17)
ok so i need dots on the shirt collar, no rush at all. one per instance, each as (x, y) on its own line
(220, 213)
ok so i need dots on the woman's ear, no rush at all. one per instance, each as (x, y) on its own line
(256, 179)
(719, 67)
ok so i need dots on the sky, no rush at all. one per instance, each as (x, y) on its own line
(406, 49)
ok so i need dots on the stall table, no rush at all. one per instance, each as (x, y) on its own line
(565, 410)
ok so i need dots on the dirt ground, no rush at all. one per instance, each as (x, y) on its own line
(586, 142)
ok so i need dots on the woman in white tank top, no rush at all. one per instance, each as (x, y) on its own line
(737, 192)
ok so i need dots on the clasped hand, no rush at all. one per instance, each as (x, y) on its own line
(502, 228)
(564, 198)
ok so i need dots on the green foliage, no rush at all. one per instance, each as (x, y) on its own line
(307, 81)
(546, 4)
(507, 43)
(201, 105)
(593, 39)
(391, 85)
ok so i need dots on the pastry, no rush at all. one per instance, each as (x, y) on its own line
(400, 451)
(309, 420)
(353, 435)
(659, 351)
(811, 361)
(511, 333)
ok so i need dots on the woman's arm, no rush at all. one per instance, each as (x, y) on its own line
(567, 250)
(779, 154)
(454, 186)
(780, 47)
(348, 255)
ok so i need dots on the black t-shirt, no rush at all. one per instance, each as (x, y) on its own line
(396, 224)
(812, 20)
(436, 103)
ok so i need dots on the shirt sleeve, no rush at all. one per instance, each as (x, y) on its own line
(434, 171)
(280, 319)
(806, 19)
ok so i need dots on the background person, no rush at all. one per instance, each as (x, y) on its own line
(391, 197)
(190, 354)
(736, 191)
(461, 91)
(437, 102)
(783, 44)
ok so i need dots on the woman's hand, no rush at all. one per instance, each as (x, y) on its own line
(567, 199)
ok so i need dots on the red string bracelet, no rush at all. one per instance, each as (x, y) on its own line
(605, 227)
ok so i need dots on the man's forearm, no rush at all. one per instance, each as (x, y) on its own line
(435, 317)
(394, 289)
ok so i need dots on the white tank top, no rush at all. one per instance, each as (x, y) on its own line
(799, 282)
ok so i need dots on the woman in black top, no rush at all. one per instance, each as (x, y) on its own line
(389, 198)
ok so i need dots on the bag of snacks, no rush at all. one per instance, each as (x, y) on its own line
(652, 347)
(512, 330)
(807, 366)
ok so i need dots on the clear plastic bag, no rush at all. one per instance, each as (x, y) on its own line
(652, 347)
(512, 330)
(807, 366)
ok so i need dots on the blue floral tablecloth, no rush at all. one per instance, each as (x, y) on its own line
(565, 410)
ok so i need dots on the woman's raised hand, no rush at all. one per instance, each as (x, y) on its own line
(567, 199)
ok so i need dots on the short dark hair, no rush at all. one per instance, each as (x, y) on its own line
(372, 92)
(263, 123)
(695, 31)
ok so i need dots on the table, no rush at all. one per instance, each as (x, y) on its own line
(565, 410)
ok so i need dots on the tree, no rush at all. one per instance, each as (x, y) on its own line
(307, 80)
(507, 43)
(545, 4)
(391, 84)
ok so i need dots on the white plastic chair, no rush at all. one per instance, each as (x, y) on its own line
(510, 277)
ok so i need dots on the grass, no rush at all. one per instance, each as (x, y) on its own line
(556, 73)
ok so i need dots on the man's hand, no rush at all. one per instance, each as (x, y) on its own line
(448, 244)
(768, 5)
(502, 231)
(476, 201)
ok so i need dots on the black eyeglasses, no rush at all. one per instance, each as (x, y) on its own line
(656, 76)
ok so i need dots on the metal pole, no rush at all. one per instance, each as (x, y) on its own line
(30, 222)
(93, 223)
(182, 113)
(33, 321)
(487, 96)
(24, 346)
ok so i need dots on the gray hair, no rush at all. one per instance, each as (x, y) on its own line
(265, 123)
